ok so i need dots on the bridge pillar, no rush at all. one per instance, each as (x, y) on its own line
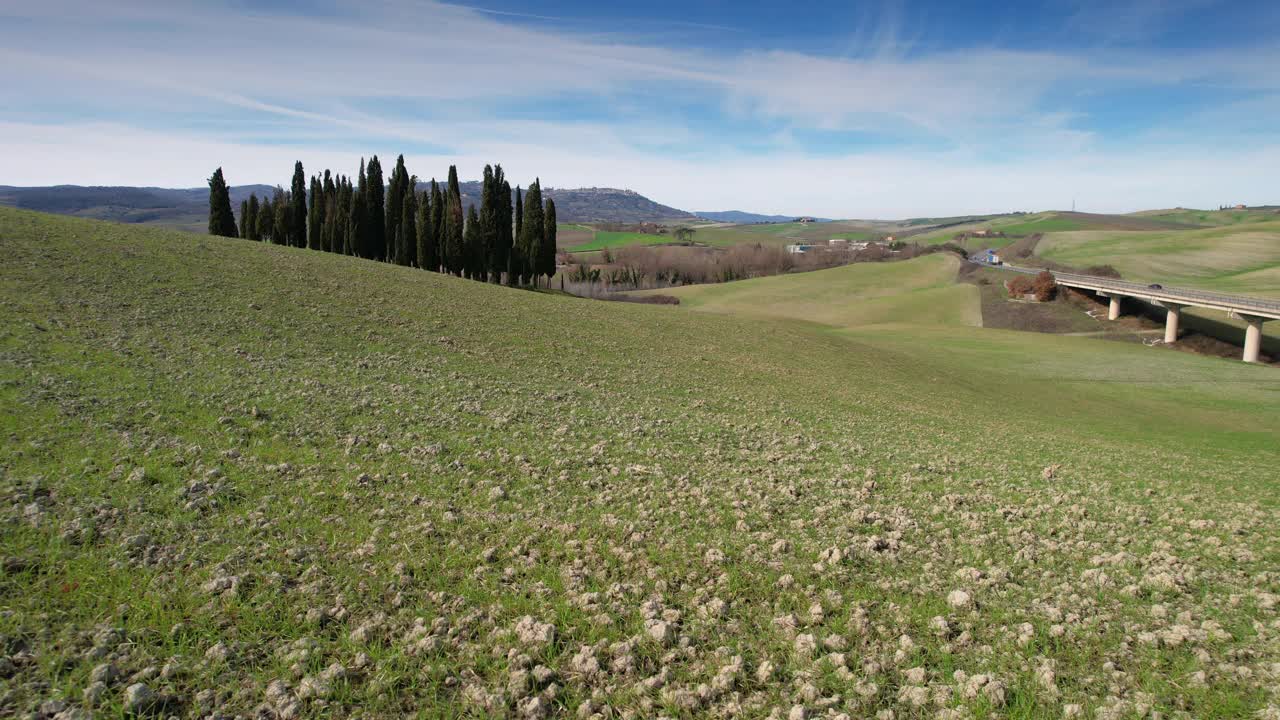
(1171, 320)
(1252, 337)
(1113, 310)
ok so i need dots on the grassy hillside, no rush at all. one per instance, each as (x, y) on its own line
(1242, 258)
(251, 480)
(915, 291)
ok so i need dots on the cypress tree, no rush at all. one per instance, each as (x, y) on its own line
(506, 229)
(355, 220)
(531, 233)
(435, 250)
(408, 226)
(266, 220)
(244, 219)
(314, 215)
(423, 230)
(500, 224)
(375, 201)
(298, 208)
(327, 216)
(516, 266)
(473, 241)
(281, 233)
(221, 220)
(253, 219)
(395, 211)
(547, 251)
(453, 225)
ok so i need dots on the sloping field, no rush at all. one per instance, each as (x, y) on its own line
(914, 291)
(250, 480)
(612, 240)
(1207, 218)
(1241, 258)
(1053, 222)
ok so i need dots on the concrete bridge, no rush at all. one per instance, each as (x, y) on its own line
(1253, 311)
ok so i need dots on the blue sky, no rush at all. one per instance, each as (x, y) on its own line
(845, 110)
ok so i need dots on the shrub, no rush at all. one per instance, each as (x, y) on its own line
(1019, 286)
(1044, 286)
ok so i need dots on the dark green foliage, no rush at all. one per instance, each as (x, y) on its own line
(221, 220)
(530, 236)
(281, 232)
(356, 219)
(435, 251)
(516, 259)
(298, 208)
(265, 221)
(407, 228)
(394, 213)
(495, 220)
(425, 235)
(328, 209)
(374, 227)
(453, 256)
(252, 223)
(473, 242)
(315, 215)
(244, 217)
(546, 264)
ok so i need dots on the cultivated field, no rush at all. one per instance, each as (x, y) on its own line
(922, 290)
(243, 479)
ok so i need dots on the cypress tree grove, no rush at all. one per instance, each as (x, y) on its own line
(298, 208)
(314, 215)
(547, 251)
(252, 224)
(244, 218)
(375, 207)
(424, 230)
(221, 220)
(531, 233)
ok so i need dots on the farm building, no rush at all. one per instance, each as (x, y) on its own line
(799, 248)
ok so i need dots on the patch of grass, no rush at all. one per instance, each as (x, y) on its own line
(608, 239)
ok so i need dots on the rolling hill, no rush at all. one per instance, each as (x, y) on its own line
(738, 216)
(246, 479)
(187, 208)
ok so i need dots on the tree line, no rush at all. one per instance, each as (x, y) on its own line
(392, 221)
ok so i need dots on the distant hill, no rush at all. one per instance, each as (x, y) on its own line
(183, 208)
(187, 208)
(738, 216)
(584, 205)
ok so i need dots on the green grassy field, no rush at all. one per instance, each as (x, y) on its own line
(612, 240)
(1192, 217)
(917, 291)
(242, 479)
(1243, 258)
